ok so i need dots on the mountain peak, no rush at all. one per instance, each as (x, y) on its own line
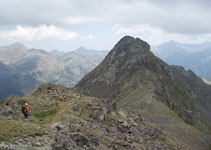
(132, 76)
(129, 40)
(129, 54)
(57, 53)
(129, 47)
(16, 44)
(82, 47)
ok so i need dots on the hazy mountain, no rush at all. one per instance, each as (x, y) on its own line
(57, 53)
(91, 55)
(76, 66)
(13, 53)
(34, 67)
(9, 81)
(12, 81)
(196, 57)
(136, 80)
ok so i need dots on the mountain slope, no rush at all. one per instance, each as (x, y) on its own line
(191, 56)
(13, 82)
(57, 53)
(10, 82)
(13, 53)
(137, 80)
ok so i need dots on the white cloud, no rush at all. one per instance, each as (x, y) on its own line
(87, 37)
(155, 35)
(154, 21)
(180, 16)
(81, 20)
(41, 32)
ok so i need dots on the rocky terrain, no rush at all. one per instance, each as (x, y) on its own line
(29, 68)
(62, 119)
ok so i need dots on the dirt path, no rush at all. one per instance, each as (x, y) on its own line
(61, 111)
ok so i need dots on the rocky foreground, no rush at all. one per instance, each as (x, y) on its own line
(62, 119)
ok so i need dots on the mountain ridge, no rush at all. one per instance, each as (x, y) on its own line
(133, 77)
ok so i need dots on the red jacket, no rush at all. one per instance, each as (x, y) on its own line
(27, 109)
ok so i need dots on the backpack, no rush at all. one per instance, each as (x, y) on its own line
(23, 110)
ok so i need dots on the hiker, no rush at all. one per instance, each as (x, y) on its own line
(25, 111)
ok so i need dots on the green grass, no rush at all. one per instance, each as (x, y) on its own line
(10, 130)
(46, 113)
(44, 116)
(22, 101)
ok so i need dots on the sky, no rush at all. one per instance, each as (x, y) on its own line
(99, 24)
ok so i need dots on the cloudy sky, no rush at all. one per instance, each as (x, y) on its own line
(99, 24)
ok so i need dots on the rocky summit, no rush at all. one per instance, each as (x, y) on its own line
(132, 100)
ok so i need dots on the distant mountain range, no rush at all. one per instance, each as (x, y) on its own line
(23, 69)
(196, 57)
(57, 53)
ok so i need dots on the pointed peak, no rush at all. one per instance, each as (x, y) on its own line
(18, 44)
(82, 47)
(134, 41)
(172, 41)
(130, 44)
(127, 37)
